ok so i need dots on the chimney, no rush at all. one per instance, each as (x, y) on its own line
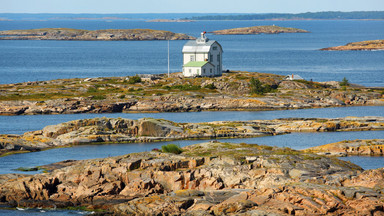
(202, 39)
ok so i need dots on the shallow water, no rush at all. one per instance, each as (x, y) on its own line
(294, 140)
(24, 123)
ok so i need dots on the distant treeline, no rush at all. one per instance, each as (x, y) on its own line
(288, 16)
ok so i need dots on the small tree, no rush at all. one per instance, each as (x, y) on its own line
(344, 82)
(210, 86)
(256, 86)
(134, 79)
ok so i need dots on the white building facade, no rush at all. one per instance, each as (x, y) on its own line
(202, 57)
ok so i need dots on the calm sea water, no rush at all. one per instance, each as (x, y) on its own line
(280, 54)
(294, 140)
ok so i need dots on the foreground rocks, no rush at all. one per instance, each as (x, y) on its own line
(362, 45)
(160, 93)
(117, 130)
(206, 179)
(371, 147)
(78, 34)
(259, 30)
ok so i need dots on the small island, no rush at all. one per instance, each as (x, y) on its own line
(170, 20)
(121, 130)
(259, 30)
(89, 35)
(362, 45)
(235, 90)
(371, 147)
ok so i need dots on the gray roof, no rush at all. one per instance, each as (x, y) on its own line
(193, 46)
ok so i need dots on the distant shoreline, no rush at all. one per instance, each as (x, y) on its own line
(329, 15)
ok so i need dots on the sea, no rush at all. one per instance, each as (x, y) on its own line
(283, 54)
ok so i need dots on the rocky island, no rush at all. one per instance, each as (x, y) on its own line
(362, 45)
(170, 20)
(204, 179)
(120, 130)
(258, 30)
(372, 147)
(86, 35)
(160, 93)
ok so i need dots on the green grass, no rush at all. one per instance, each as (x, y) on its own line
(98, 97)
(28, 169)
(185, 87)
(171, 148)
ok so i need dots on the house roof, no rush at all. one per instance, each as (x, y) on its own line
(196, 64)
(195, 46)
(293, 77)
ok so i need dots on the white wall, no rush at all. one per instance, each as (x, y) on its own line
(197, 71)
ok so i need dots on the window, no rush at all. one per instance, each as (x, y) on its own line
(198, 71)
(190, 71)
(218, 58)
(210, 70)
(214, 48)
(218, 68)
(210, 57)
(192, 58)
(204, 71)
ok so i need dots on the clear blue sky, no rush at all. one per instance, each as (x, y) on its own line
(180, 6)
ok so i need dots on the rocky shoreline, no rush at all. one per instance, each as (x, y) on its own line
(158, 93)
(205, 179)
(259, 30)
(119, 130)
(90, 35)
(362, 45)
(371, 147)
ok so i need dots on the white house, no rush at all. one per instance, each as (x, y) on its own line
(202, 57)
(293, 77)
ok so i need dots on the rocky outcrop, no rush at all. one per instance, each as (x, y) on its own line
(372, 147)
(232, 91)
(258, 30)
(116, 130)
(78, 34)
(362, 45)
(206, 179)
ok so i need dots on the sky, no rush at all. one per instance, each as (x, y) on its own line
(180, 6)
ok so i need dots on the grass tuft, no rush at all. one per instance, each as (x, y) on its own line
(171, 148)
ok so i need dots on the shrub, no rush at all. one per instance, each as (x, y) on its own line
(210, 86)
(134, 79)
(344, 82)
(185, 87)
(171, 148)
(92, 90)
(257, 87)
(98, 97)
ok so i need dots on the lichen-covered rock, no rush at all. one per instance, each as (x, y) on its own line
(208, 178)
(372, 147)
(116, 130)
